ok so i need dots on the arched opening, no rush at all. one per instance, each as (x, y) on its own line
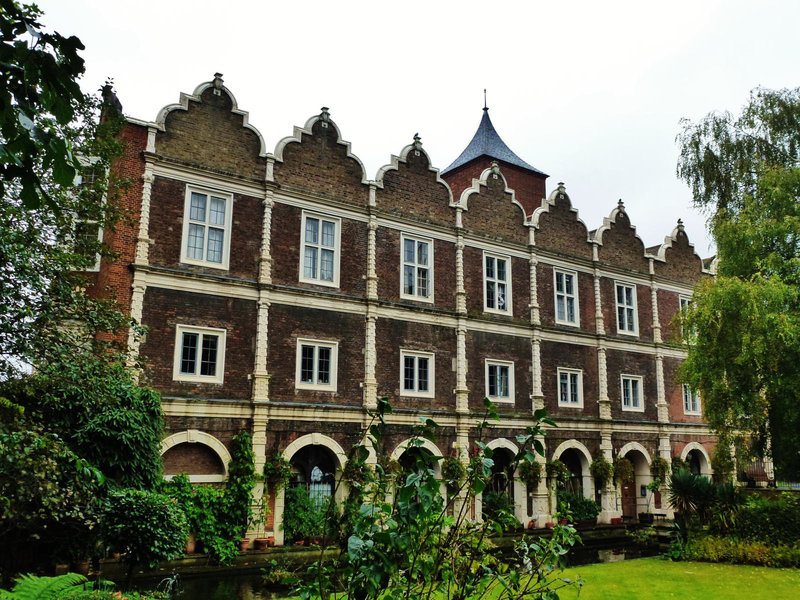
(636, 498)
(309, 493)
(697, 462)
(198, 461)
(499, 493)
(414, 459)
(573, 460)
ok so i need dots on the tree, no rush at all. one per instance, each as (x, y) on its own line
(744, 346)
(39, 98)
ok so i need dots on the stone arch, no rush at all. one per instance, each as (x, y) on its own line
(705, 464)
(642, 498)
(310, 439)
(586, 461)
(519, 488)
(192, 436)
(425, 444)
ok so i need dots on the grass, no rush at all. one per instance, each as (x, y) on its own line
(657, 579)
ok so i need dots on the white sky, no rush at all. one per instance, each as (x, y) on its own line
(589, 92)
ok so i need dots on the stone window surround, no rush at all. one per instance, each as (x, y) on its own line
(431, 393)
(317, 343)
(337, 249)
(227, 228)
(574, 296)
(486, 279)
(638, 378)
(177, 375)
(579, 373)
(416, 238)
(489, 362)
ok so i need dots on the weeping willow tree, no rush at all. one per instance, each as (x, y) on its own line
(743, 328)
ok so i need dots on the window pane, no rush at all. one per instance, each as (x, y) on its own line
(493, 380)
(310, 263)
(621, 317)
(502, 380)
(489, 266)
(501, 295)
(307, 364)
(189, 353)
(422, 374)
(216, 215)
(408, 279)
(422, 282)
(620, 295)
(560, 312)
(629, 323)
(323, 365)
(326, 265)
(559, 282)
(194, 248)
(571, 310)
(328, 234)
(490, 302)
(629, 296)
(312, 230)
(563, 387)
(568, 284)
(573, 380)
(408, 254)
(197, 209)
(408, 373)
(501, 270)
(215, 238)
(626, 392)
(635, 392)
(208, 357)
(422, 254)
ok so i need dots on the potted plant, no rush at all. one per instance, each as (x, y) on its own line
(244, 544)
(260, 543)
(453, 473)
(557, 471)
(531, 473)
(602, 471)
(623, 471)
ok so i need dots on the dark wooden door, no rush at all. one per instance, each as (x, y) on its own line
(629, 501)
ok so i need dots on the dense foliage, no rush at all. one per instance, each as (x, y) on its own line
(277, 471)
(577, 505)
(453, 473)
(774, 521)
(602, 471)
(145, 527)
(303, 518)
(748, 552)
(531, 473)
(659, 468)
(744, 326)
(623, 470)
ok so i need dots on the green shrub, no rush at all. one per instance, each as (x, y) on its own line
(774, 521)
(557, 471)
(303, 517)
(678, 464)
(453, 473)
(659, 468)
(623, 471)
(277, 471)
(144, 526)
(579, 507)
(530, 472)
(497, 507)
(748, 552)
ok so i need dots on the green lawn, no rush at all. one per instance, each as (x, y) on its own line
(657, 579)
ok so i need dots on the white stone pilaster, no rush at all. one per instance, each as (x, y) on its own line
(137, 307)
(537, 396)
(372, 274)
(265, 257)
(661, 398)
(602, 383)
(370, 362)
(143, 237)
(656, 320)
(534, 287)
(598, 304)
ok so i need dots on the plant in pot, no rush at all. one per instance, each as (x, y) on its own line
(602, 471)
(453, 473)
(530, 472)
(623, 471)
(583, 510)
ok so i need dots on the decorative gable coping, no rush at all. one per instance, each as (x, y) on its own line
(395, 161)
(483, 181)
(557, 194)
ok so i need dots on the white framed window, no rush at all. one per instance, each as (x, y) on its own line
(416, 274)
(499, 380)
(632, 392)
(199, 354)
(320, 249)
(691, 401)
(570, 388)
(496, 283)
(417, 374)
(627, 321)
(207, 217)
(317, 362)
(88, 231)
(565, 286)
(685, 303)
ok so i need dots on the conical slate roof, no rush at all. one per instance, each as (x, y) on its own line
(486, 142)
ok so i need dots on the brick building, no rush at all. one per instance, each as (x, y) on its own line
(285, 291)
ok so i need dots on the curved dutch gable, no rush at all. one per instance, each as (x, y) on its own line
(676, 258)
(207, 128)
(316, 160)
(619, 244)
(410, 185)
(491, 208)
(558, 226)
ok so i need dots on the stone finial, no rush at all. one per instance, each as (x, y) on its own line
(561, 188)
(680, 225)
(620, 205)
(325, 115)
(217, 83)
(417, 141)
(495, 168)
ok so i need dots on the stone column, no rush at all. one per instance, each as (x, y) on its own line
(609, 499)
(370, 352)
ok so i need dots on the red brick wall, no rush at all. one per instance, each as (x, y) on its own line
(115, 278)
(648, 440)
(320, 165)
(682, 264)
(393, 335)
(222, 428)
(286, 236)
(529, 187)
(413, 190)
(490, 212)
(630, 363)
(208, 134)
(569, 356)
(166, 230)
(622, 248)
(561, 231)
(555, 437)
(668, 309)
(388, 268)
(192, 459)
(482, 345)
(287, 324)
(674, 393)
(164, 309)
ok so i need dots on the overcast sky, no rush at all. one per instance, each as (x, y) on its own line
(589, 92)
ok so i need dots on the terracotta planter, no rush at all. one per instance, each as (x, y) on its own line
(549, 524)
(563, 521)
(300, 543)
(531, 524)
(191, 543)
(271, 541)
(260, 543)
(616, 521)
(244, 544)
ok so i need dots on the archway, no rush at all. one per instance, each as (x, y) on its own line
(406, 452)
(696, 457)
(636, 498)
(576, 458)
(199, 455)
